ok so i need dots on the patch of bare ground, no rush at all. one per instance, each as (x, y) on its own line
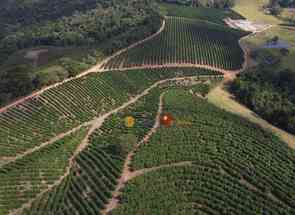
(34, 54)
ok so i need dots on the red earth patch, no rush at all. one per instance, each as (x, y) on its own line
(167, 120)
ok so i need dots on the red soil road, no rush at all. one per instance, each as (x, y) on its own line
(176, 65)
(140, 172)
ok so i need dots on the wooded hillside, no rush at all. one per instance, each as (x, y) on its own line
(108, 25)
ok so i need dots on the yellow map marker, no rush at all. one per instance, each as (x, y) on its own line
(129, 121)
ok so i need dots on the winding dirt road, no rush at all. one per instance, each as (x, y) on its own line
(95, 124)
(99, 67)
(176, 65)
(140, 172)
(95, 69)
(126, 173)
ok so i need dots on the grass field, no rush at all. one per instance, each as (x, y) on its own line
(256, 42)
(251, 9)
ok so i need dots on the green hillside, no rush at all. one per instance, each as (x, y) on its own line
(50, 41)
(25, 178)
(89, 186)
(78, 101)
(186, 41)
(236, 166)
(137, 134)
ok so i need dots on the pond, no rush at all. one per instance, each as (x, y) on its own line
(277, 45)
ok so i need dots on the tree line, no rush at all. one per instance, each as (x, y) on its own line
(275, 7)
(109, 25)
(82, 28)
(207, 3)
(270, 94)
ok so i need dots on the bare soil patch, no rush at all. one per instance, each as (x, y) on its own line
(246, 25)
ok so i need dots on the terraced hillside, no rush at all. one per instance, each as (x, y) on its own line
(88, 187)
(69, 151)
(186, 41)
(67, 106)
(216, 163)
(28, 177)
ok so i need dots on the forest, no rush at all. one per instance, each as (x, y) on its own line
(107, 25)
(105, 20)
(270, 94)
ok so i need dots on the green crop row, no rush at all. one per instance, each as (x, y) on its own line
(256, 167)
(62, 108)
(24, 179)
(186, 41)
(88, 188)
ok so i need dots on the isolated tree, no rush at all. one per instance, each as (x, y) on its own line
(274, 7)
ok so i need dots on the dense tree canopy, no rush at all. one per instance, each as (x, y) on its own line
(287, 3)
(107, 19)
(108, 25)
(15, 82)
(270, 94)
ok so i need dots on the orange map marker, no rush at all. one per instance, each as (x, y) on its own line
(167, 120)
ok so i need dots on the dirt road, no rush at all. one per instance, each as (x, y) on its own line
(126, 173)
(95, 69)
(95, 124)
